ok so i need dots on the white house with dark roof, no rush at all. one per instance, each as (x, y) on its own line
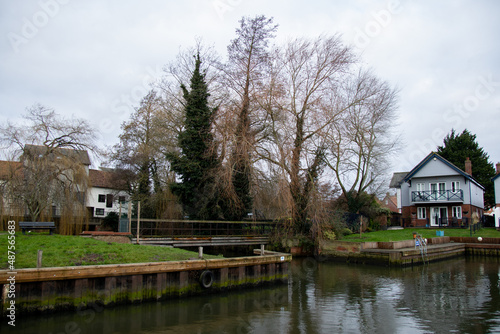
(105, 194)
(437, 193)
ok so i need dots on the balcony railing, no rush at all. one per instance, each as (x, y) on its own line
(437, 196)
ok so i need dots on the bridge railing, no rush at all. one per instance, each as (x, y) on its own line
(200, 228)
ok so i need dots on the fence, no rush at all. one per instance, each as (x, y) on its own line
(441, 222)
(184, 228)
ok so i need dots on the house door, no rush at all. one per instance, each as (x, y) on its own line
(439, 214)
(443, 213)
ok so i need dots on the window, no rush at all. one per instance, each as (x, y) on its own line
(99, 212)
(456, 212)
(101, 198)
(455, 186)
(109, 200)
(438, 190)
(422, 213)
(435, 187)
(420, 186)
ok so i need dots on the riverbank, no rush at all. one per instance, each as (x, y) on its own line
(408, 252)
(407, 234)
(77, 288)
(62, 251)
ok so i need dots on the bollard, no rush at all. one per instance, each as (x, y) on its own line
(39, 259)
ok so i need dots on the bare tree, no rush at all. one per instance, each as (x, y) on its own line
(139, 156)
(361, 141)
(180, 71)
(45, 127)
(305, 75)
(54, 162)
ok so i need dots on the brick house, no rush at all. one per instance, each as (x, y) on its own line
(438, 193)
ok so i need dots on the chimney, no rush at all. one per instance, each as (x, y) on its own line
(498, 167)
(468, 166)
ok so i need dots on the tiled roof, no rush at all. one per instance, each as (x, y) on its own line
(397, 178)
(105, 179)
(433, 155)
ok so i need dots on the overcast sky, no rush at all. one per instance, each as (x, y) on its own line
(95, 59)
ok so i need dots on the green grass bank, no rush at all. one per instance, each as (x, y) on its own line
(406, 234)
(62, 251)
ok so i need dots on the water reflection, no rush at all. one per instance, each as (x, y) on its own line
(460, 296)
(454, 296)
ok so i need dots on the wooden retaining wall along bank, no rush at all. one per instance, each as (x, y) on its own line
(69, 288)
(404, 253)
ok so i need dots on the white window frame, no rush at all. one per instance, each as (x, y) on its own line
(456, 212)
(440, 189)
(440, 186)
(421, 213)
(420, 186)
(455, 186)
(443, 184)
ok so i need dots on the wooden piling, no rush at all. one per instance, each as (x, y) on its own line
(74, 288)
(39, 259)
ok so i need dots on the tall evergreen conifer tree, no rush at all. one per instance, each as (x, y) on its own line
(197, 161)
(458, 147)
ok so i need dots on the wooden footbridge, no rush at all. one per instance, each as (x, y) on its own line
(197, 233)
(203, 241)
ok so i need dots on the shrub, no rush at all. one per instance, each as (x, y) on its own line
(346, 231)
(329, 235)
(110, 222)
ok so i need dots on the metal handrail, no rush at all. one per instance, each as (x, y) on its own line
(421, 243)
(438, 195)
(184, 228)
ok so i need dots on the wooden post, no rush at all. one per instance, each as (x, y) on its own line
(200, 252)
(138, 219)
(360, 225)
(261, 250)
(39, 259)
(129, 214)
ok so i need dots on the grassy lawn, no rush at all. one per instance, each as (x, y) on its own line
(61, 251)
(398, 235)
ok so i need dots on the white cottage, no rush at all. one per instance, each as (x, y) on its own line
(105, 194)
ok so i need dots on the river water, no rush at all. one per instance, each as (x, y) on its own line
(454, 296)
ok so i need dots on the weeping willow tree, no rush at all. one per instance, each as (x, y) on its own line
(51, 175)
(73, 183)
(8, 209)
